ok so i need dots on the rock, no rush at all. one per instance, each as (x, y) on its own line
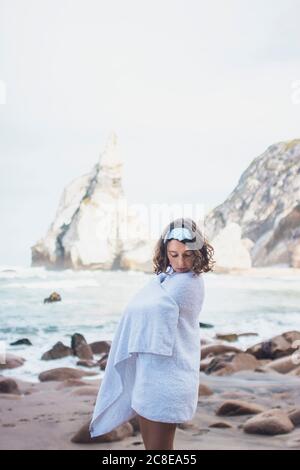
(103, 361)
(58, 351)
(12, 361)
(230, 337)
(238, 407)
(270, 422)
(230, 363)
(117, 434)
(205, 363)
(54, 297)
(204, 391)
(94, 227)
(63, 373)
(233, 336)
(294, 416)
(220, 425)
(205, 325)
(295, 371)
(283, 365)
(278, 346)
(135, 424)
(247, 334)
(216, 349)
(99, 347)
(186, 425)
(21, 341)
(87, 363)
(80, 347)
(8, 385)
(265, 203)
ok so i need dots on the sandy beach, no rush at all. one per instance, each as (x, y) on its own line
(54, 414)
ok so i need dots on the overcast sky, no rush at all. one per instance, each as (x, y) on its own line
(194, 90)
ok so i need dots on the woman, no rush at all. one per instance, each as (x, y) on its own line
(152, 371)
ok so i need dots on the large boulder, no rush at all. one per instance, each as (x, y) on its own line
(80, 347)
(8, 385)
(270, 422)
(229, 363)
(278, 346)
(238, 407)
(58, 351)
(216, 349)
(100, 347)
(12, 361)
(283, 365)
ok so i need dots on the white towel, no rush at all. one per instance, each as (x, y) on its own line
(149, 324)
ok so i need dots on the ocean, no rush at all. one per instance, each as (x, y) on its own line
(93, 301)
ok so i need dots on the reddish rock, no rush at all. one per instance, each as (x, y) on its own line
(204, 391)
(278, 346)
(270, 422)
(283, 364)
(217, 349)
(57, 351)
(221, 425)
(103, 361)
(87, 363)
(117, 434)
(8, 385)
(12, 361)
(227, 364)
(294, 416)
(238, 407)
(100, 347)
(63, 373)
(80, 347)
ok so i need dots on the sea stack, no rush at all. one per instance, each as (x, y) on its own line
(93, 227)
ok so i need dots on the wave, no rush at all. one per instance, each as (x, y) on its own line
(63, 284)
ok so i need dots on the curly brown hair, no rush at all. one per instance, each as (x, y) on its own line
(202, 258)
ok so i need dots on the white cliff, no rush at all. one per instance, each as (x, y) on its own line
(259, 223)
(93, 228)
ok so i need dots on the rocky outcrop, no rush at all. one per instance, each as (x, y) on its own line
(94, 228)
(279, 346)
(259, 223)
(58, 351)
(229, 363)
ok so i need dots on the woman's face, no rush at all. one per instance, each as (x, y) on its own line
(179, 256)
